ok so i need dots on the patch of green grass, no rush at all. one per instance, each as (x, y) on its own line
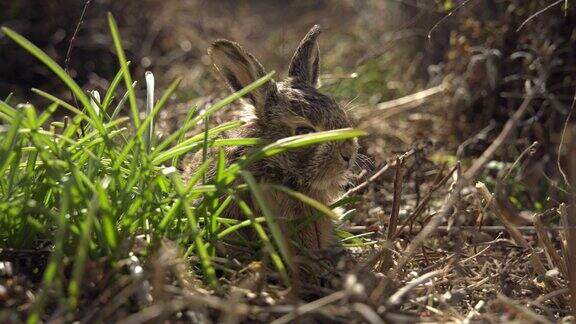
(91, 184)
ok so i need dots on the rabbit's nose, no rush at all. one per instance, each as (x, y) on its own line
(348, 152)
(346, 157)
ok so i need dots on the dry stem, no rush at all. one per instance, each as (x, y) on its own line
(511, 228)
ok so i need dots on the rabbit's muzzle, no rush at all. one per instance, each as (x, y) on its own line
(346, 153)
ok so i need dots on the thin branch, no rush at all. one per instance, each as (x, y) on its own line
(451, 199)
(398, 179)
(538, 14)
(527, 312)
(562, 141)
(310, 307)
(511, 228)
(403, 104)
(446, 17)
(475, 169)
(547, 244)
(71, 44)
(398, 296)
(386, 260)
(422, 205)
(375, 176)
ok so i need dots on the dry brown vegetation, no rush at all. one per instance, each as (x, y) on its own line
(466, 209)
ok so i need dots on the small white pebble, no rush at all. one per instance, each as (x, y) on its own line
(269, 300)
(138, 270)
(552, 273)
(480, 305)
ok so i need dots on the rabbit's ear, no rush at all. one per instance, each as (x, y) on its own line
(240, 68)
(305, 64)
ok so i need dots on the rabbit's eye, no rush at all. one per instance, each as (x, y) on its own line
(304, 130)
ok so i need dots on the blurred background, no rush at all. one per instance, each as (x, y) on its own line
(477, 60)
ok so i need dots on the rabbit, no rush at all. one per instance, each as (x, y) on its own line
(290, 107)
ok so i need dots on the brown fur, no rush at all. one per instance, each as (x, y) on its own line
(283, 109)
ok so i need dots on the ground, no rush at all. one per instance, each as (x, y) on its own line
(458, 212)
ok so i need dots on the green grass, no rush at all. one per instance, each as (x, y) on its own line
(91, 184)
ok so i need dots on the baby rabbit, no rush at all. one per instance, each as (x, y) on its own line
(291, 107)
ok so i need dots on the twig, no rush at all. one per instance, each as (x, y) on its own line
(118, 300)
(373, 258)
(489, 229)
(386, 260)
(511, 228)
(558, 155)
(475, 311)
(502, 196)
(368, 313)
(493, 228)
(408, 102)
(528, 313)
(434, 222)
(475, 138)
(550, 295)
(569, 222)
(398, 296)
(156, 312)
(420, 208)
(71, 44)
(475, 169)
(252, 280)
(368, 181)
(546, 243)
(312, 306)
(375, 176)
(529, 150)
(398, 179)
(415, 244)
(206, 300)
(570, 251)
(538, 14)
(446, 17)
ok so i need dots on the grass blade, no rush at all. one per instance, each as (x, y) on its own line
(203, 255)
(112, 88)
(124, 67)
(198, 145)
(214, 108)
(276, 260)
(48, 62)
(148, 120)
(277, 234)
(293, 143)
